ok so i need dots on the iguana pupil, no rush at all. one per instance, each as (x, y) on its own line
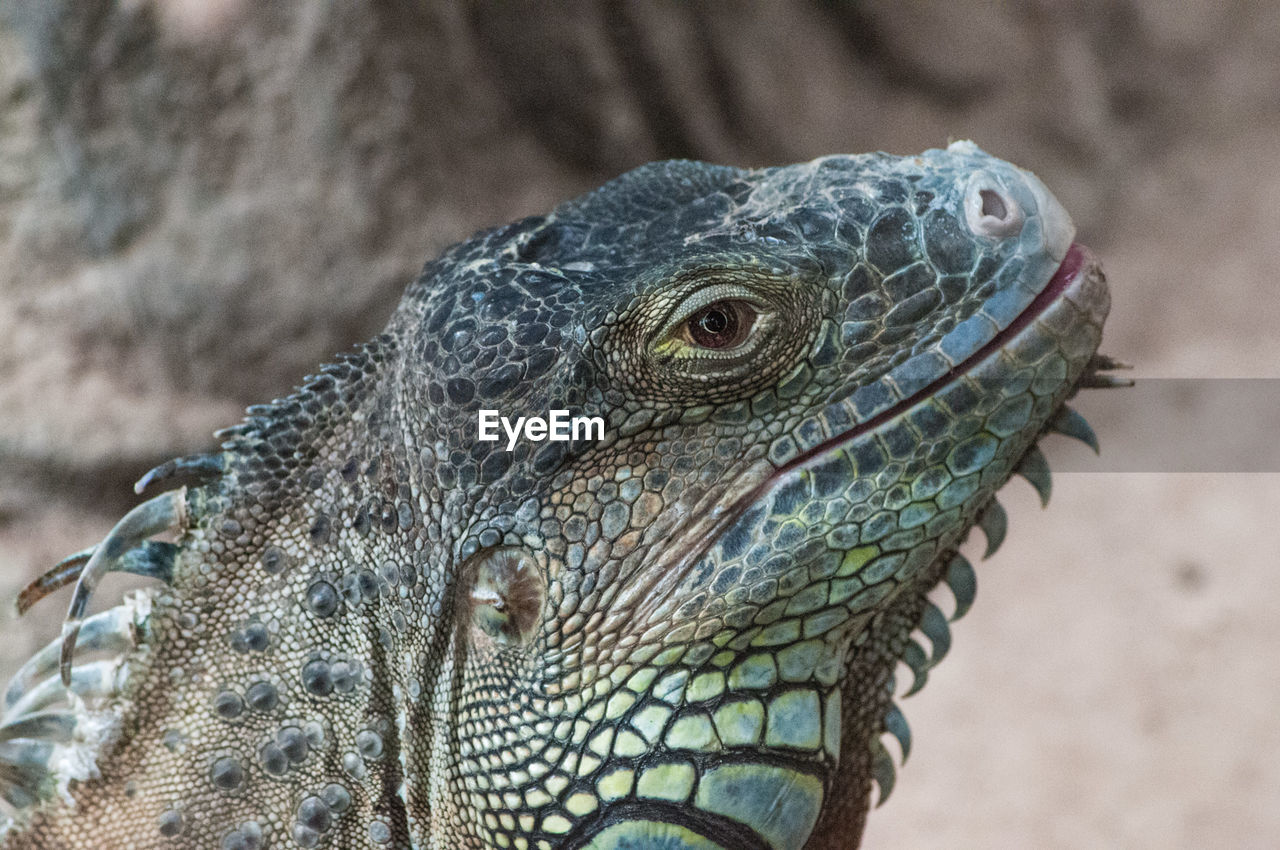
(719, 325)
(375, 628)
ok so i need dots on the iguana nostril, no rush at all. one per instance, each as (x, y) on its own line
(990, 211)
(993, 205)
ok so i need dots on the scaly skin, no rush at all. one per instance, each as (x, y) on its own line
(377, 630)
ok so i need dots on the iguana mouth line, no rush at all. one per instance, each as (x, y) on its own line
(1073, 266)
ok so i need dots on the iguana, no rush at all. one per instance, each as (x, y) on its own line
(372, 628)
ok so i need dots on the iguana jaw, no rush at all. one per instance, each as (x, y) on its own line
(1077, 269)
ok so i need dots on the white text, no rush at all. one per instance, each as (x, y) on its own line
(557, 426)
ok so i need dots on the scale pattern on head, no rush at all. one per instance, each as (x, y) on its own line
(382, 630)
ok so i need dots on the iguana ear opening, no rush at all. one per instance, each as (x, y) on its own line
(503, 595)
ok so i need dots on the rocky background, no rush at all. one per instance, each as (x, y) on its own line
(200, 200)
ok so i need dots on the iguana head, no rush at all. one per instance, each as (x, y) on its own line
(679, 632)
(812, 380)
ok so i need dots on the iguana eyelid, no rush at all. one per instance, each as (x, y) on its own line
(705, 296)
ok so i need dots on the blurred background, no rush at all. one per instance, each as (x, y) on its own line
(201, 200)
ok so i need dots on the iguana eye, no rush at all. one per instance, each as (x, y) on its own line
(709, 338)
(724, 324)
